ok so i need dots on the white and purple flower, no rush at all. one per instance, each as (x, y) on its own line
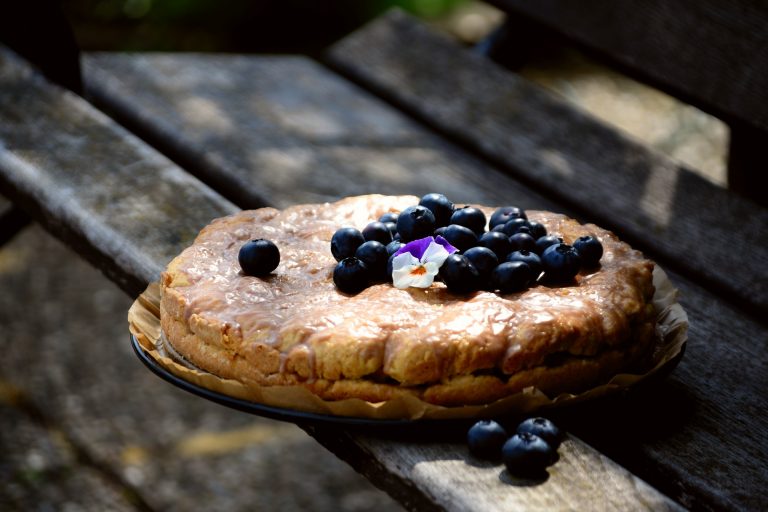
(418, 262)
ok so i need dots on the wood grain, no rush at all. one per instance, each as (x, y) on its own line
(122, 205)
(453, 480)
(241, 127)
(684, 221)
(713, 54)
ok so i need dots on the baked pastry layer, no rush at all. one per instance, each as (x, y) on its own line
(295, 328)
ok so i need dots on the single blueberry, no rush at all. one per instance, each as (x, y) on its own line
(375, 257)
(511, 277)
(388, 217)
(537, 229)
(560, 263)
(258, 257)
(351, 275)
(497, 242)
(504, 214)
(392, 227)
(590, 249)
(498, 227)
(415, 222)
(461, 237)
(527, 455)
(394, 246)
(522, 241)
(545, 241)
(512, 226)
(345, 242)
(460, 275)
(530, 258)
(485, 439)
(543, 428)
(470, 217)
(484, 260)
(377, 231)
(440, 231)
(440, 207)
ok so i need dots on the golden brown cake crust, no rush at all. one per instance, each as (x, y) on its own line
(294, 327)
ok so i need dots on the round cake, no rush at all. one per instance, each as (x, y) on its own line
(294, 327)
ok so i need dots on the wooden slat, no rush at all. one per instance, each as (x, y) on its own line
(166, 213)
(684, 221)
(285, 130)
(122, 205)
(712, 53)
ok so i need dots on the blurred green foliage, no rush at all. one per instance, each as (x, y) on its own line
(303, 26)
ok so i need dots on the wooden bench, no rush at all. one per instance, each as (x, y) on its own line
(708, 53)
(396, 108)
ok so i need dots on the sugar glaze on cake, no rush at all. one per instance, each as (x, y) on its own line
(295, 328)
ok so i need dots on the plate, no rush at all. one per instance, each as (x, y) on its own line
(276, 413)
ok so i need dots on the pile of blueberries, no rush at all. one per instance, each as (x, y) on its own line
(526, 454)
(511, 257)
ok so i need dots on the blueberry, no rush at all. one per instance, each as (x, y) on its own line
(351, 275)
(537, 229)
(590, 249)
(258, 257)
(388, 217)
(522, 241)
(374, 255)
(484, 260)
(345, 242)
(377, 231)
(545, 241)
(485, 439)
(392, 227)
(504, 214)
(497, 242)
(543, 428)
(470, 217)
(530, 258)
(498, 227)
(513, 225)
(527, 455)
(440, 207)
(393, 247)
(511, 277)
(460, 275)
(461, 237)
(560, 262)
(440, 231)
(415, 222)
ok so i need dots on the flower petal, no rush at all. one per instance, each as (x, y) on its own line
(416, 247)
(404, 276)
(435, 253)
(402, 260)
(446, 245)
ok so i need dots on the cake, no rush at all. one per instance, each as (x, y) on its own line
(294, 327)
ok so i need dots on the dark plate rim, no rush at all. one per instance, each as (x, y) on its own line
(268, 411)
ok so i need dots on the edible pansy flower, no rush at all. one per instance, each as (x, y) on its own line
(417, 262)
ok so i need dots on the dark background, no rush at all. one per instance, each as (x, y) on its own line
(260, 26)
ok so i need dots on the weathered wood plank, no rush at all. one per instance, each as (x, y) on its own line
(713, 54)
(261, 140)
(453, 480)
(33, 173)
(681, 219)
(122, 205)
